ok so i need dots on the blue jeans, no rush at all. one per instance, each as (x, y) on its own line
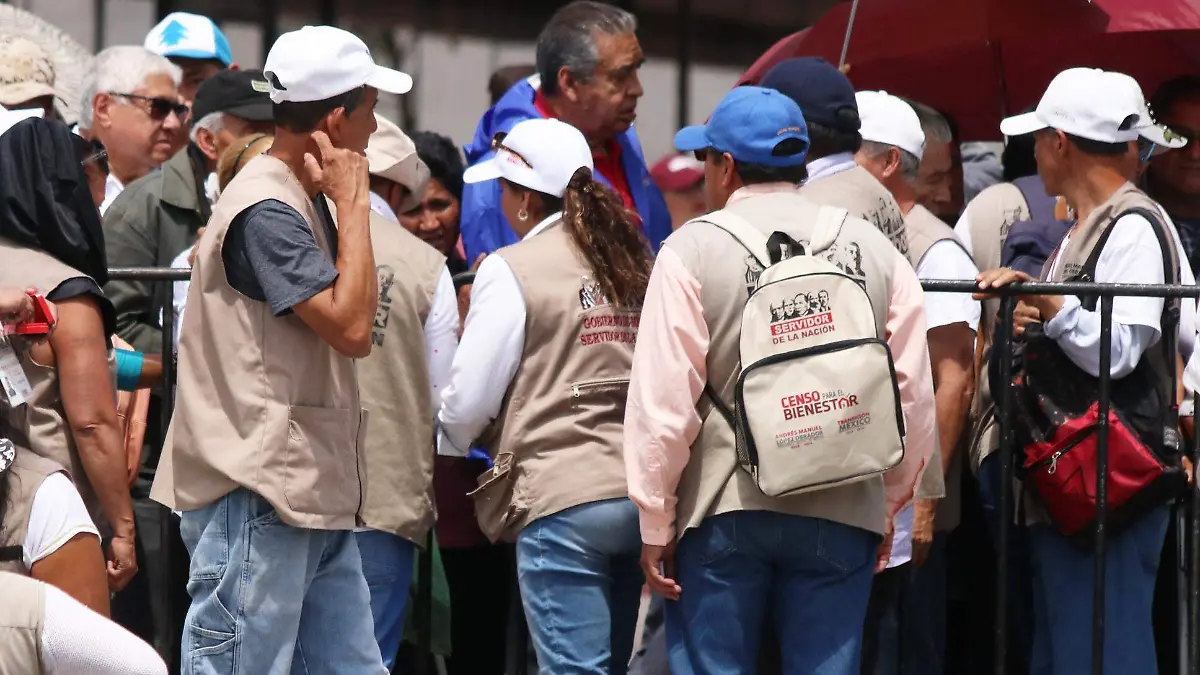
(814, 574)
(1062, 577)
(581, 586)
(1020, 571)
(387, 564)
(272, 599)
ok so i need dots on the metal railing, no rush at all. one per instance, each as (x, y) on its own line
(1190, 560)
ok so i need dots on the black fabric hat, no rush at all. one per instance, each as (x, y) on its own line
(241, 93)
(824, 94)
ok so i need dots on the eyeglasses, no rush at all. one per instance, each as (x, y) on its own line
(1145, 149)
(160, 107)
(99, 156)
(498, 144)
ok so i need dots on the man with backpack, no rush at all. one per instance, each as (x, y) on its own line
(892, 151)
(794, 511)
(1082, 135)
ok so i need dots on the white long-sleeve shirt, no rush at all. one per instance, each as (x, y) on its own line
(488, 355)
(1131, 256)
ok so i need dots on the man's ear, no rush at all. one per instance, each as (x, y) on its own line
(568, 85)
(207, 142)
(891, 165)
(332, 125)
(101, 110)
(728, 167)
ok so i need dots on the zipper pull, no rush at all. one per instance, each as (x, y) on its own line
(1054, 462)
(575, 390)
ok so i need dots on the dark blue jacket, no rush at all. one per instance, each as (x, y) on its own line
(484, 228)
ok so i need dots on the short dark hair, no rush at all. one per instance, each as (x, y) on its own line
(568, 40)
(443, 158)
(1098, 148)
(825, 141)
(304, 117)
(1173, 91)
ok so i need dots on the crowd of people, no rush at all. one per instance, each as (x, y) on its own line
(631, 403)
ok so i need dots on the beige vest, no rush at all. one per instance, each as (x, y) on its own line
(394, 383)
(24, 610)
(41, 424)
(860, 193)
(263, 402)
(712, 483)
(557, 442)
(24, 478)
(990, 216)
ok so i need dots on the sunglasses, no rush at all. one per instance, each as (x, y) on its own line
(159, 107)
(498, 144)
(98, 156)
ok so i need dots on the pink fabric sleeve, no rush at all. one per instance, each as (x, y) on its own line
(906, 336)
(661, 421)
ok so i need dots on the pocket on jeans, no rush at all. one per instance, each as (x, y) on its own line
(321, 472)
(212, 630)
(844, 547)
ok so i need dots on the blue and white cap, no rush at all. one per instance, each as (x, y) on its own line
(189, 36)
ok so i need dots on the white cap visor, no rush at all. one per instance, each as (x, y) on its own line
(1019, 125)
(511, 168)
(1162, 136)
(390, 81)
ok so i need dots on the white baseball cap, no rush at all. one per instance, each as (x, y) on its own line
(538, 154)
(889, 120)
(391, 154)
(320, 62)
(1094, 104)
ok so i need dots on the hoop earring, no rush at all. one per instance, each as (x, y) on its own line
(522, 215)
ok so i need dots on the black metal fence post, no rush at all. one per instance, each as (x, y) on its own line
(1100, 550)
(1193, 544)
(1008, 305)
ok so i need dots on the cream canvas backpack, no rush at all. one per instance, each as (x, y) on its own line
(817, 403)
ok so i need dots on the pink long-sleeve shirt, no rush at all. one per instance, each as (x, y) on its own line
(669, 372)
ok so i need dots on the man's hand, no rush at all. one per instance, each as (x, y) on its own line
(658, 564)
(922, 533)
(1023, 315)
(884, 554)
(340, 174)
(1048, 306)
(122, 563)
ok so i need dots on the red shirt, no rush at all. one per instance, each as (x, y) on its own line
(607, 164)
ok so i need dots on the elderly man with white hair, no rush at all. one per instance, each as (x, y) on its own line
(894, 137)
(156, 218)
(131, 104)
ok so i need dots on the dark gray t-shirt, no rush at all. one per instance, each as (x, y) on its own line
(271, 256)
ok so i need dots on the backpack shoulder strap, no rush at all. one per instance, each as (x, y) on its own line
(746, 234)
(829, 225)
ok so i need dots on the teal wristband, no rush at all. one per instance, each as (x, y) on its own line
(129, 369)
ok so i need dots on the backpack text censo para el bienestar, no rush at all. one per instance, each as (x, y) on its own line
(817, 403)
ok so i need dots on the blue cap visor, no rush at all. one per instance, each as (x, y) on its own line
(691, 139)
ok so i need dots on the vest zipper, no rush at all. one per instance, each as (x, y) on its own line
(577, 388)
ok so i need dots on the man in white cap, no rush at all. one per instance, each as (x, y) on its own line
(414, 338)
(264, 453)
(892, 150)
(1082, 135)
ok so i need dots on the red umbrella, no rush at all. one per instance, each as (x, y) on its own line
(980, 60)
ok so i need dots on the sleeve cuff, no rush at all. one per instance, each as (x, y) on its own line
(656, 530)
(1065, 320)
(446, 447)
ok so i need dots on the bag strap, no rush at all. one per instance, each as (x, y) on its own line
(726, 412)
(750, 237)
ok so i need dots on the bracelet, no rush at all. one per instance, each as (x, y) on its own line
(129, 369)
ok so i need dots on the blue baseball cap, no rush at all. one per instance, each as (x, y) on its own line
(821, 90)
(189, 36)
(748, 124)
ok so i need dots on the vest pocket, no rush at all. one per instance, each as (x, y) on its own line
(495, 499)
(321, 471)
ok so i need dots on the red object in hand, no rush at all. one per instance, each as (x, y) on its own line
(41, 323)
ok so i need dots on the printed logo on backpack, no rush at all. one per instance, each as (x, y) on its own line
(817, 403)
